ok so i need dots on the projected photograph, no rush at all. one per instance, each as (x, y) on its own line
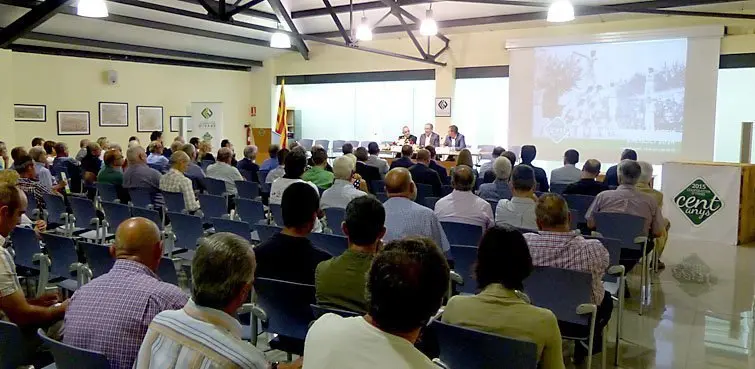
(626, 92)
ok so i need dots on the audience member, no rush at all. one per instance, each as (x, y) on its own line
(587, 185)
(374, 159)
(133, 141)
(558, 247)
(296, 162)
(39, 157)
(194, 141)
(17, 152)
(205, 333)
(158, 136)
(404, 217)
(612, 179)
(342, 192)
(224, 171)
(82, 149)
(176, 181)
(64, 164)
(442, 171)
(10, 176)
(366, 171)
(116, 147)
(5, 162)
(498, 307)
(156, 158)
(405, 287)
(176, 145)
(423, 174)
(271, 162)
(488, 166)
(645, 185)
(193, 171)
(49, 147)
(520, 210)
(465, 158)
(340, 282)
(280, 170)
(347, 148)
(91, 163)
(37, 141)
(500, 188)
(180, 139)
(462, 205)
(511, 156)
(528, 155)
(140, 175)
(317, 174)
(248, 164)
(405, 161)
(300, 205)
(104, 146)
(112, 172)
(111, 313)
(205, 152)
(227, 143)
(29, 183)
(310, 161)
(568, 173)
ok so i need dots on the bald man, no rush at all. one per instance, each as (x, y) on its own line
(404, 217)
(462, 205)
(111, 313)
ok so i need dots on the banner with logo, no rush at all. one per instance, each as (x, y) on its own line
(702, 201)
(207, 122)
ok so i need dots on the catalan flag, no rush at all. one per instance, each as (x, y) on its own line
(280, 123)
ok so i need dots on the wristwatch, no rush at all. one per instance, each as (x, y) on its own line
(274, 365)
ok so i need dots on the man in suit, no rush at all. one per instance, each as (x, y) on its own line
(368, 172)
(407, 138)
(528, 155)
(454, 138)
(442, 171)
(405, 161)
(587, 185)
(612, 177)
(422, 173)
(429, 138)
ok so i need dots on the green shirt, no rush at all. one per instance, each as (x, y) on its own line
(340, 282)
(110, 175)
(319, 176)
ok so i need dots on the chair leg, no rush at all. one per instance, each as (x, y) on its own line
(620, 320)
(603, 358)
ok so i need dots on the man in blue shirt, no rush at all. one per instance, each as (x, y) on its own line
(272, 162)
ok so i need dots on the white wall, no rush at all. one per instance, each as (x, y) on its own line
(735, 104)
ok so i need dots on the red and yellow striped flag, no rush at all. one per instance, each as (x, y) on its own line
(280, 123)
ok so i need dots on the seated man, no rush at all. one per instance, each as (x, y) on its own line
(157, 156)
(193, 171)
(112, 172)
(271, 162)
(404, 217)
(347, 148)
(248, 163)
(374, 159)
(342, 192)
(176, 181)
(442, 171)
(91, 162)
(612, 177)
(317, 174)
(224, 171)
(83, 144)
(568, 173)
(296, 162)
(289, 255)
(587, 185)
(65, 164)
(644, 184)
(139, 175)
(111, 313)
(406, 138)
(340, 282)
(405, 161)
(279, 170)
(462, 205)
(528, 155)
(368, 172)
(406, 284)
(488, 165)
(500, 188)
(29, 183)
(497, 308)
(205, 333)
(520, 210)
(39, 156)
(558, 247)
(422, 173)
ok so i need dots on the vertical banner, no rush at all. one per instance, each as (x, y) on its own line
(702, 201)
(207, 122)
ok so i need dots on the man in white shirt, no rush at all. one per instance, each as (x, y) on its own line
(296, 163)
(569, 173)
(39, 156)
(224, 171)
(176, 181)
(342, 191)
(280, 170)
(406, 284)
(462, 205)
(520, 210)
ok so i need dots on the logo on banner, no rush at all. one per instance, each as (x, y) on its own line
(557, 130)
(206, 113)
(698, 202)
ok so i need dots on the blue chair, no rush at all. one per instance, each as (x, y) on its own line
(32, 208)
(377, 186)
(526, 230)
(277, 212)
(468, 348)
(187, 229)
(27, 250)
(240, 229)
(107, 192)
(465, 258)
(206, 163)
(56, 209)
(69, 357)
(284, 309)
(141, 197)
(85, 218)
(320, 310)
(266, 231)
(332, 244)
(423, 191)
(446, 190)
(99, 260)
(382, 196)
(335, 217)
(461, 233)
(158, 167)
(431, 201)
(247, 174)
(64, 261)
(338, 144)
(248, 189)
(558, 187)
(215, 186)
(166, 270)
(324, 143)
(115, 214)
(262, 176)
(174, 201)
(213, 206)
(306, 143)
(250, 211)
(150, 214)
(580, 203)
(493, 205)
(11, 346)
(354, 143)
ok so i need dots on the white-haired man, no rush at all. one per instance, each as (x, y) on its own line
(499, 188)
(248, 164)
(342, 191)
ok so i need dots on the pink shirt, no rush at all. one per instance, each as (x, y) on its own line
(628, 200)
(464, 207)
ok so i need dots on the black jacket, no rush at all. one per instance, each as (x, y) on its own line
(402, 162)
(426, 175)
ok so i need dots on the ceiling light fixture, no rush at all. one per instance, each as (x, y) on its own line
(561, 11)
(364, 32)
(429, 27)
(280, 40)
(92, 8)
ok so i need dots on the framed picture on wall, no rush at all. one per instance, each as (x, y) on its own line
(149, 118)
(30, 113)
(442, 106)
(113, 114)
(73, 122)
(175, 122)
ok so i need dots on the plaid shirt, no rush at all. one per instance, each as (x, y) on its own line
(35, 188)
(175, 181)
(570, 251)
(111, 313)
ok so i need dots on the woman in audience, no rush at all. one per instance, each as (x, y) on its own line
(205, 152)
(49, 147)
(503, 262)
(465, 158)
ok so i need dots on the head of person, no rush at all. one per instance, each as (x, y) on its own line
(591, 169)
(38, 154)
(250, 152)
(511, 156)
(423, 157)
(502, 169)
(462, 178)
(464, 158)
(629, 172)
(190, 151)
(300, 205)
(13, 204)
(133, 138)
(293, 144)
(136, 155)
(552, 213)
(24, 165)
(343, 168)
(361, 154)
(428, 129)
(406, 131)
(320, 157)
(115, 146)
(529, 152)
(399, 183)
(225, 155)
(373, 148)
(281, 156)
(571, 157)
(175, 146)
(406, 284)
(628, 154)
(431, 149)
(364, 222)
(523, 180)
(222, 272)
(273, 151)
(407, 151)
(155, 147)
(37, 141)
(204, 148)
(49, 147)
(61, 149)
(453, 131)
(138, 239)
(156, 136)
(113, 159)
(347, 148)
(8, 176)
(194, 141)
(94, 149)
(17, 152)
(509, 265)
(295, 163)
(179, 161)
(497, 151)
(180, 139)
(103, 142)
(83, 143)
(226, 143)
(646, 175)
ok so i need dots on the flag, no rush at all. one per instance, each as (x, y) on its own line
(280, 123)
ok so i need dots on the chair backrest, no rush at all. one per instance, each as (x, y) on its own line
(62, 253)
(250, 211)
(324, 143)
(247, 189)
(461, 233)
(620, 226)
(83, 211)
(214, 186)
(338, 144)
(423, 191)
(468, 348)
(493, 205)
(31, 205)
(69, 357)
(240, 229)
(206, 163)
(247, 174)
(376, 186)
(107, 192)
(140, 197)
(25, 245)
(158, 167)
(446, 189)
(560, 291)
(213, 206)
(614, 254)
(354, 143)
(277, 212)
(11, 346)
(150, 214)
(363, 144)
(262, 176)
(166, 270)
(430, 201)
(558, 187)
(287, 305)
(98, 258)
(187, 229)
(335, 217)
(55, 206)
(580, 203)
(174, 201)
(465, 258)
(320, 310)
(381, 196)
(266, 231)
(306, 143)
(331, 243)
